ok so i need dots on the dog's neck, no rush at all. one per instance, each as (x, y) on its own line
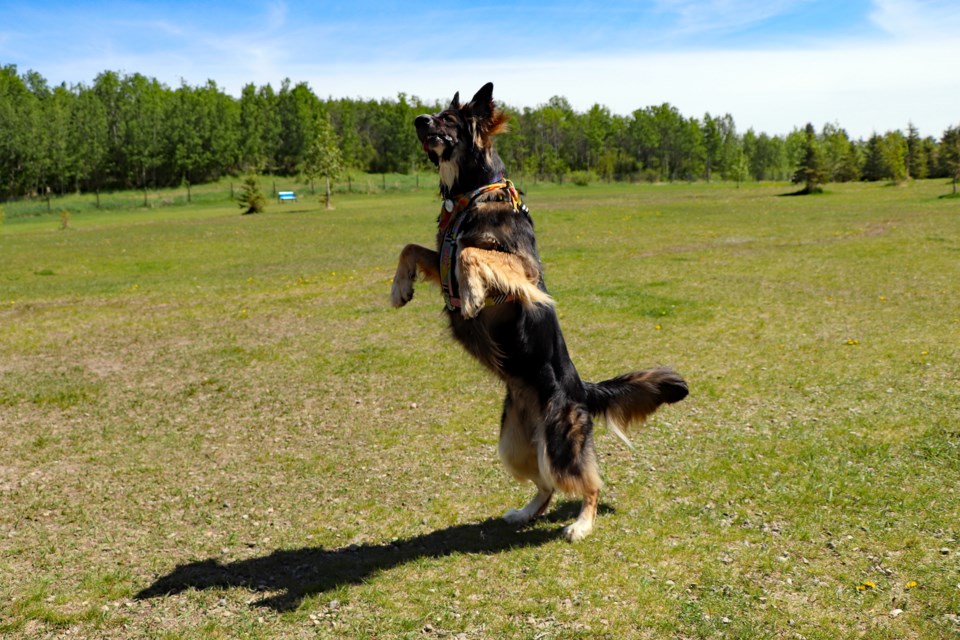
(459, 174)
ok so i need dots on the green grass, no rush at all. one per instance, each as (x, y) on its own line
(222, 414)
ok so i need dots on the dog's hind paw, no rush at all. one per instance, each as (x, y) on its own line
(577, 531)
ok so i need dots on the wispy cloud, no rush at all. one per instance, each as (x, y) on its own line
(711, 16)
(276, 17)
(917, 19)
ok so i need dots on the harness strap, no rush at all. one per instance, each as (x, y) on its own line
(451, 217)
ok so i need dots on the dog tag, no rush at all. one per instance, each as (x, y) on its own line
(448, 205)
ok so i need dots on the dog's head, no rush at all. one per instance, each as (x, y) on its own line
(459, 139)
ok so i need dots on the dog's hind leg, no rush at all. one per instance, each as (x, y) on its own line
(518, 452)
(567, 456)
(583, 525)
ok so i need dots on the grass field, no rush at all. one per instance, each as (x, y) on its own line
(215, 426)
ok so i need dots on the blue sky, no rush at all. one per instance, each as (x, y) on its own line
(868, 65)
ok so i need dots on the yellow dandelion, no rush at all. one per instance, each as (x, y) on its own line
(866, 585)
(853, 342)
(658, 327)
(910, 585)
(883, 298)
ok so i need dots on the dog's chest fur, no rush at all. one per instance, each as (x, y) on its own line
(450, 172)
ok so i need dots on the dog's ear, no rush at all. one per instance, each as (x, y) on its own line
(481, 105)
(455, 103)
(489, 120)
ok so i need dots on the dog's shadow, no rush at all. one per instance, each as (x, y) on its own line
(299, 573)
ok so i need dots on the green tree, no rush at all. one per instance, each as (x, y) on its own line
(186, 122)
(597, 127)
(950, 154)
(767, 156)
(17, 107)
(810, 170)
(835, 145)
(90, 139)
(931, 152)
(297, 109)
(323, 158)
(107, 89)
(874, 164)
(893, 149)
(848, 168)
(916, 159)
(59, 121)
(252, 146)
(251, 198)
(740, 167)
(144, 125)
(721, 148)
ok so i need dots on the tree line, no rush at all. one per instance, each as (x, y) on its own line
(130, 131)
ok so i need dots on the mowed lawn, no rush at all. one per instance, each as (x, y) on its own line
(215, 426)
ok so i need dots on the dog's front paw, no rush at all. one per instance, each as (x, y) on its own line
(516, 516)
(470, 308)
(402, 291)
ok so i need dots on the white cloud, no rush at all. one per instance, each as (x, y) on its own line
(864, 88)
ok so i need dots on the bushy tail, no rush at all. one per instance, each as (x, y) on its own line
(633, 396)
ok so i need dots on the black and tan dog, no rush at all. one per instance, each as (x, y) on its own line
(489, 271)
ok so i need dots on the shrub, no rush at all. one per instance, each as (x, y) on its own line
(251, 198)
(582, 178)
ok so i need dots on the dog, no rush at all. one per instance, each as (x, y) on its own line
(489, 272)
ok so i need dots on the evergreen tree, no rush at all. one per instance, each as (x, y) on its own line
(874, 166)
(810, 171)
(251, 198)
(848, 170)
(916, 154)
(950, 154)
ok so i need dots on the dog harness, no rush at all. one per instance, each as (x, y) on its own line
(451, 217)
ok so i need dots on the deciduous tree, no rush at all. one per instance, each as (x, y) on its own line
(324, 159)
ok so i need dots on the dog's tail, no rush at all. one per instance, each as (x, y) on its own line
(633, 396)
